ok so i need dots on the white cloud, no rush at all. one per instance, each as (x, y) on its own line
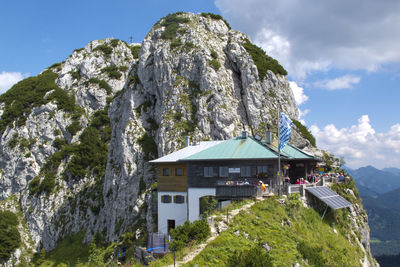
(360, 144)
(344, 82)
(300, 98)
(8, 79)
(307, 36)
(298, 93)
(302, 114)
(273, 44)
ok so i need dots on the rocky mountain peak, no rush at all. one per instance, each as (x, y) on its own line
(206, 83)
(76, 139)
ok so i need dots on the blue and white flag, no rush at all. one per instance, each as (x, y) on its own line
(285, 129)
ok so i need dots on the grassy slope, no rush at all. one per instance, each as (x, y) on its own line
(291, 233)
(70, 251)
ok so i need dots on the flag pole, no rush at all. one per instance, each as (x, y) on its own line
(279, 146)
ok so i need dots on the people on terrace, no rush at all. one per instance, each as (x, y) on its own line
(316, 177)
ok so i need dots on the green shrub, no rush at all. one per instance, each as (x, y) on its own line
(123, 68)
(92, 151)
(304, 131)
(34, 186)
(149, 146)
(101, 83)
(112, 72)
(135, 49)
(104, 48)
(214, 54)
(76, 75)
(114, 42)
(29, 93)
(207, 205)
(57, 132)
(49, 171)
(64, 101)
(56, 66)
(10, 238)
(89, 155)
(48, 183)
(59, 143)
(171, 24)
(175, 43)
(293, 204)
(14, 141)
(78, 50)
(215, 64)
(189, 233)
(25, 143)
(74, 127)
(263, 61)
(188, 46)
(255, 256)
(216, 17)
(131, 81)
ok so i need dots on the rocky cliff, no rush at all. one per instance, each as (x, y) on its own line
(75, 140)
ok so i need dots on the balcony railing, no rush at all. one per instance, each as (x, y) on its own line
(238, 191)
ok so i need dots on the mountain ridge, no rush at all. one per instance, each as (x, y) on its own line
(375, 180)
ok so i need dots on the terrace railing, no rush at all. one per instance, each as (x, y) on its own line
(238, 191)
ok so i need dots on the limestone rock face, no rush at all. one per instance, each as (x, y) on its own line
(359, 221)
(204, 83)
(199, 82)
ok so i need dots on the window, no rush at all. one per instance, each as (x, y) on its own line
(165, 171)
(210, 171)
(253, 171)
(179, 199)
(245, 171)
(178, 171)
(262, 169)
(223, 171)
(165, 199)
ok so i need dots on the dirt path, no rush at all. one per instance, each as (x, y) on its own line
(216, 226)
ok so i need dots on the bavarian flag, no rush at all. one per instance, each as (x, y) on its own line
(285, 129)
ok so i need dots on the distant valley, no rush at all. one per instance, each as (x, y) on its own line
(380, 193)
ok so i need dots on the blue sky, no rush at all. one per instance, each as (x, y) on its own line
(342, 56)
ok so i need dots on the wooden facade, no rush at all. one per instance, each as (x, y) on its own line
(193, 173)
(173, 182)
(197, 179)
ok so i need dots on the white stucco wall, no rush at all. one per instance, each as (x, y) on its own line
(171, 211)
(194, 195)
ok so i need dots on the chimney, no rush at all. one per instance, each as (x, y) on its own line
(244, 134)
(186, 141)
(268, 137)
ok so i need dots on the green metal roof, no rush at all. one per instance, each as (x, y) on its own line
(236, 148)
(294, 153)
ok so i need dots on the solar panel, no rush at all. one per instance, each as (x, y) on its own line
(329, 197)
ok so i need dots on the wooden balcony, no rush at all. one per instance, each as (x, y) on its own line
(238, 191)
